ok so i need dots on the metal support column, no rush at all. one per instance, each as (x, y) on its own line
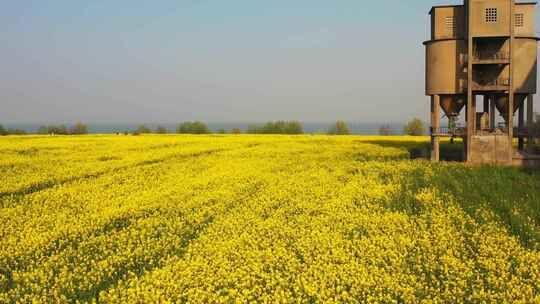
(470, 113)
(511, 87)
(475, 107)
(530, 134)
(521, 125)
(510, 125)
(492, 110)
(435, 127)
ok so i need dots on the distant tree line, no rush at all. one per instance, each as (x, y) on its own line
(339, 128)
(78, 128)
(161, 130)
(193, 127)
(198, 127)
(187, 127)
(277, 127)
(9, 131)
(386, 130)
(413, 128)
(292, 127)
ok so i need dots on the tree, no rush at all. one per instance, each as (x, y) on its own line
(16, 132)
(385, 130)
(221, 131)
(3, 131)
(415, 127)
(339, 128)
(161, 130)
(254, 129)
(277, 127)
(53, 130)
(42, 130)
(293, 127)
(536, 126)
(142, 129)
(236, 131)
(79, 129)
(61, 130)
(192, 127)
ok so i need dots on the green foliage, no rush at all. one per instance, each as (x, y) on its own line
(16, 132)
(339, 128)
(53, 130)
(385, 130)
(43, 130)
(236, 131)
(254, 129)
(79, 129)
(221, 131)
(3, 131)
(192, 127)
(415, 128)
(142, 129)
(536, 126)
(277, 127)
(161, 130)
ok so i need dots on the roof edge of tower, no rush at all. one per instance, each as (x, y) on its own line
(443, 6)
(442, 39)
(458, 5)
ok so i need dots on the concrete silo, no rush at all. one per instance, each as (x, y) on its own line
(488, 49)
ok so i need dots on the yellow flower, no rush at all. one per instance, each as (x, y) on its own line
(271, 219)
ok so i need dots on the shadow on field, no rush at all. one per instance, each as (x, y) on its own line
(422, 150)
(511, 194)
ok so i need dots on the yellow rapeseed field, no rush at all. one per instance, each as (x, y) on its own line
(272, 219)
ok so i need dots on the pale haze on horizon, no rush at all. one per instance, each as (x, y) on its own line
(216, 61)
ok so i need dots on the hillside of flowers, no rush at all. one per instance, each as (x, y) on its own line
(270, 219)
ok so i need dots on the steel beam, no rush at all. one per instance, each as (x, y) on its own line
(435, 127)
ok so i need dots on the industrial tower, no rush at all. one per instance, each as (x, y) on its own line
(483, 49)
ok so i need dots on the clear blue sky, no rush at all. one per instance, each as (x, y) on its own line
(167, 61)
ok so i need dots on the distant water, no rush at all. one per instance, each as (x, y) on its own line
(356, 128)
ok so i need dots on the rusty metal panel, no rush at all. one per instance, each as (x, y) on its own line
(490, 18)
(446, 67)
(524, 23)
(449, 22)
(525, 65)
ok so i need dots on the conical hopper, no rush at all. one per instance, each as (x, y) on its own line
(502, 102)
(452, 104)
